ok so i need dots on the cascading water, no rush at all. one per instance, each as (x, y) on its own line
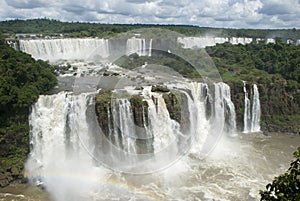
(65, 49)
(251, 110)
(206, 41)
(123, 120)
(163, 129)
(68, 157)
(224, 108)
(138, 45)
(64, 154)
(80, 48)
(255, 123)
(62, 144)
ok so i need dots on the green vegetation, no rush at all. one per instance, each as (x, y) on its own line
(139, 110)
(159, 88)
(173, 105)
(161, 58)
(22, 80)
(80, 29)
(285, 187)
(274, 67)
(103, 106)
(253, 62)
(276, 70)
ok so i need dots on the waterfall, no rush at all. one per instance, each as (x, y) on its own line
(251, 110)
(161, 126)
(211, 113)
(206, 41)
(150, 48)
(199, 124)
(61, 144)
(65, 49)
(138, 45)
(224, 108)
(255, 122)
(66, 140)
(124, 123)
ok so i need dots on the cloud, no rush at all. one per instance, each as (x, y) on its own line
(216, 13)
(26, 4)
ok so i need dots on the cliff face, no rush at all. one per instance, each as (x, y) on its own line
(139, 109)
(279, 108)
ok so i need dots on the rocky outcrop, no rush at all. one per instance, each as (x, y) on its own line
(103, 106)
(10, 175)
(139, 110)
(173, 106)
(238, 98)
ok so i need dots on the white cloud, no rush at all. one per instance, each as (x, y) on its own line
(217, 13)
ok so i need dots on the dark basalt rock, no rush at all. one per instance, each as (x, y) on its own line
(102, 106)
(173, 106)
(139, 110)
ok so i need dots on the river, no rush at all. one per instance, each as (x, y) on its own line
(236, 170)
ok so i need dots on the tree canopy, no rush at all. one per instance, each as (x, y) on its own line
(84, 29)
(22, 80)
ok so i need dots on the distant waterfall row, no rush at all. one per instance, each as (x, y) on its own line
(86, 48)
(202, 42)
(81, 48)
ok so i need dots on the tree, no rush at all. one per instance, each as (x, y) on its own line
(286, 187)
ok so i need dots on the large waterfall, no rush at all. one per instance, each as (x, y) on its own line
(80, 48)
(65, 49)
(63, 126)
(162, 132)
(61, 140)
(251, 110)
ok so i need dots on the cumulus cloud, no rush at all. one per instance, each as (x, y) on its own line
(216, 13)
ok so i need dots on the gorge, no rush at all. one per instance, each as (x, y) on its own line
(147, 132)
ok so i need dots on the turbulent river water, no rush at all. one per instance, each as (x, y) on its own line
(201, 158)
(237, 168)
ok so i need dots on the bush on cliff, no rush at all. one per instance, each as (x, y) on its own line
(286, 186)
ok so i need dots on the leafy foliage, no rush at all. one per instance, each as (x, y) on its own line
(52, 27)
(22, 80)
(286, 186)
(258, 60)
(275, 68)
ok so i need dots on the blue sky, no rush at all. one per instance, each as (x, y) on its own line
(212, 13)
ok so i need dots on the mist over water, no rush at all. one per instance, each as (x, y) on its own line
(65, 146)
(236, 170)
(201, 158)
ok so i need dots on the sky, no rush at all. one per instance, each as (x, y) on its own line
(208, 13)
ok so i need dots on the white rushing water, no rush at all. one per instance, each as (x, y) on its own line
(198, 158)
(251, 110)
(87, 49)
(65, 144)
(61, 141)
(206, 41)
(139, 46)
(65, 49)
